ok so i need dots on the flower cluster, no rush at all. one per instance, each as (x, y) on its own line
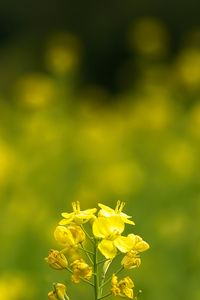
(88, 250)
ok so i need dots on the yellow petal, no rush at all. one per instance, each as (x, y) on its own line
(67, 215)
(128, 292)
(123, 243)
(107, 248)
(138, 243)
(108, 227)
(105, 211)
(65, 221)
(84, 216)
(100, 227)
(68, 218)
(126, 218)
(88, 212)
(116, 224)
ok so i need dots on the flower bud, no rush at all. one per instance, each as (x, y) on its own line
(77, 233)
(52, 296)
(131, 260)
(122, 288)
(80, 269)
(59, 292)
(64, 236)
(70, 236)
(56, 260)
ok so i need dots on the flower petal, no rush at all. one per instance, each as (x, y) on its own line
(138, 243)
(105, 210)
(107, 248)
(107, 227)
(123, 243)
(100, 227)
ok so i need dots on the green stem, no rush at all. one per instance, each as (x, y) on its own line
(67, 297)
(96, 281)
(87, 253)
(104, 271)
(102, 261)
(107, 295)
(138, 294)
(89, 237)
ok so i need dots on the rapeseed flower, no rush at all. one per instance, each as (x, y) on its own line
(106, 211)
(109, 230)
(123, 288)
(77, 216)
(132, 258)
(138, 244)
(104, 235)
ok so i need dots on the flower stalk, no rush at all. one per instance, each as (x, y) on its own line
(96, 279)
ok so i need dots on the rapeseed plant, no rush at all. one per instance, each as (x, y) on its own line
(84, 244)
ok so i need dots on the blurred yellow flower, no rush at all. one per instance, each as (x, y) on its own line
(56, 260)
(63, 53)
(7, 162)
(109, 230)
(180, 158)
(188, 67)
(120, 177)
(194, 121)
(81, 269)
(16, 286)
(69, 236)
(78, 216)
(149, 37)
(106, 211)
(36, 90)
(123, 288)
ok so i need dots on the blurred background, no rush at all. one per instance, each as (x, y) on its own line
(100, 101)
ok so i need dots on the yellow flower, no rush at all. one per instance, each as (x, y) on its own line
(59, 292)
(123, 288)
(109, 230)
(56, 260)
(78, 216)
(69, 236)
(137, 243)
(131, 260)
(81, 269)
(106, 211)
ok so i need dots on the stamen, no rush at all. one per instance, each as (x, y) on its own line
(74, 206)
(121, 206)
(78, 206)
(117, 206)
